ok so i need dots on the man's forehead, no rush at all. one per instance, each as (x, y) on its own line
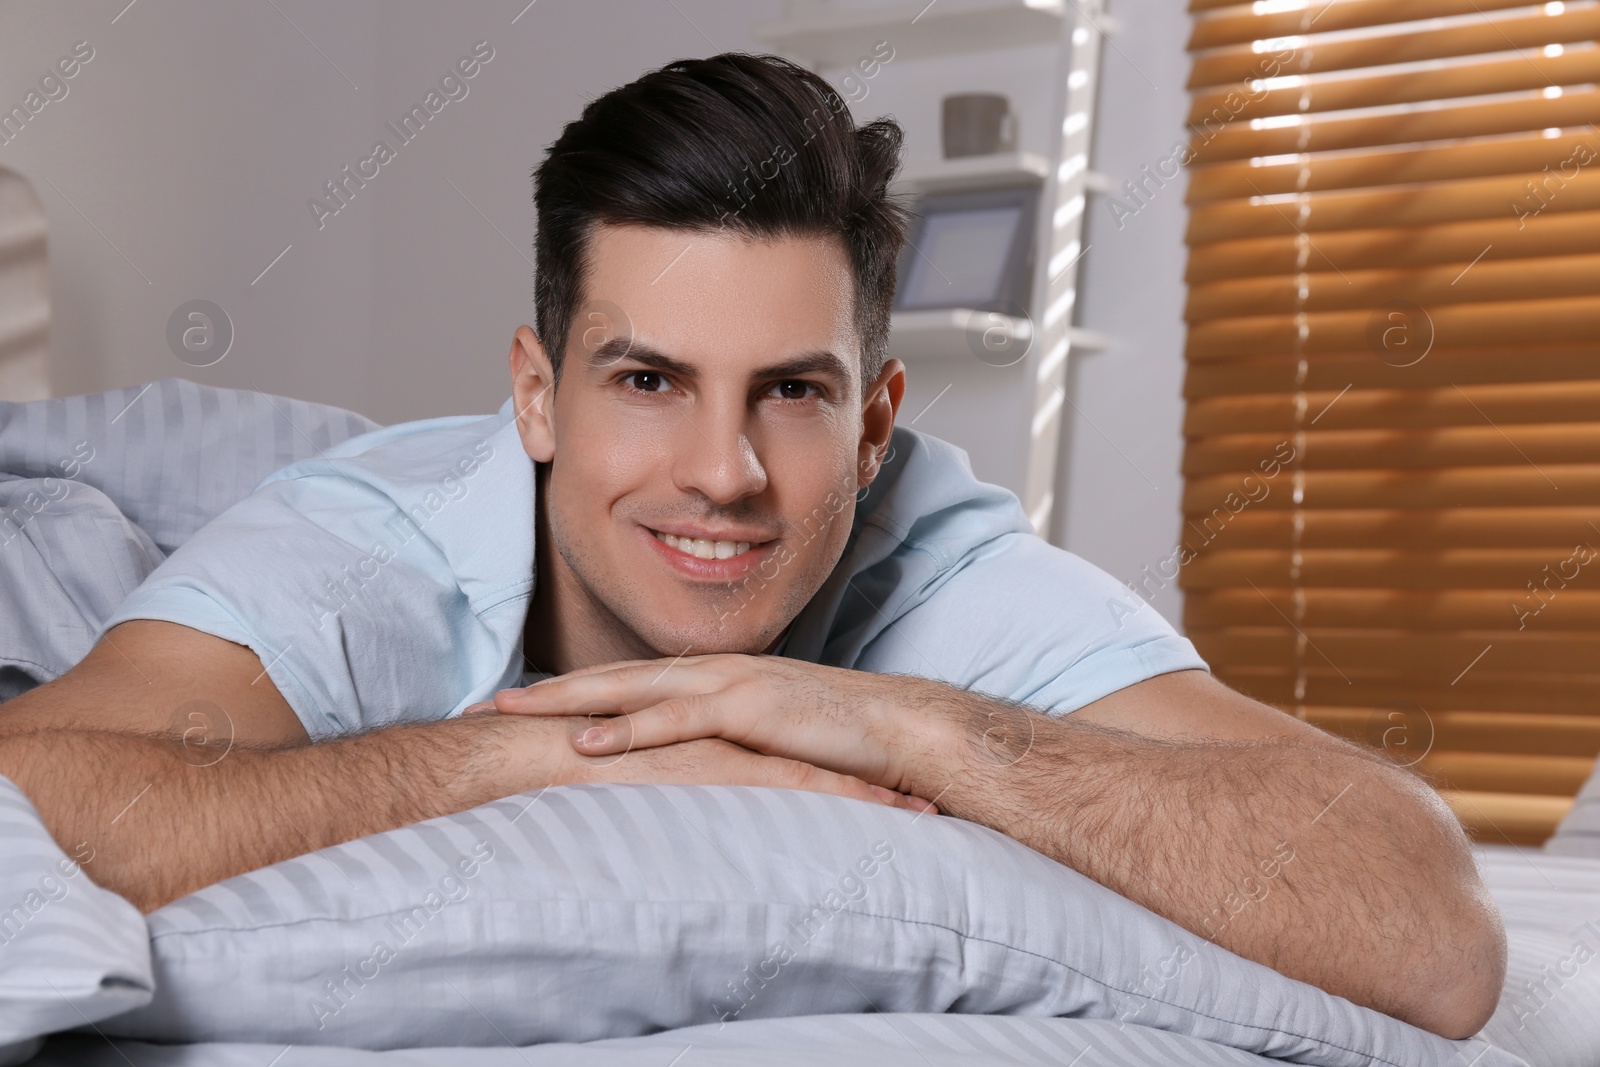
(701, 297)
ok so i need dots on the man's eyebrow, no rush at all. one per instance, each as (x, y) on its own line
(819, 362)
(615, 349)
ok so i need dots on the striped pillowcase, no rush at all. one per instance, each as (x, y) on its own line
(1579, 833)
(602, 911)
(171, 454)
(70, 952)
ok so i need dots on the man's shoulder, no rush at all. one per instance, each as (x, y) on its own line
(346, 572)
(404, 460)
(945, 577)
(927, 499)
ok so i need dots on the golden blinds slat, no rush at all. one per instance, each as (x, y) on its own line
(1569, 485)
(1325, 133)
(1443, 368)
(1507, 818)
(1393, 650)
(1415, 530)
(1501, 772)
(1229, 22)
(1463, 731)
(1483, 445)
(1452, 283)
(1479, 610)
(1577, 65)
(1463, 568)
(1506, 322)
(1315, 53)
(1350, 408)
(1481, 689)
(1519, 153)
(1552, 234)
(1557, 191)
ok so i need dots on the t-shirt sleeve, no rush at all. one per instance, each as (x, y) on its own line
(352, 610)
(1020, 618)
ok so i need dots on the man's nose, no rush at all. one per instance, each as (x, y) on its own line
(715, 455)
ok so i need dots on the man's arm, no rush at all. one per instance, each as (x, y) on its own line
(1285, 845)
(1288, 846)
(166, 760)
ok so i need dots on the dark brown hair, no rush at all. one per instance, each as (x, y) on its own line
(752, 143)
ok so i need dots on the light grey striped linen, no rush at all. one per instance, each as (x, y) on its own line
(898, 1040)
(603, 911)
(1579, 832)
(70, 952)
(1551, 904)
(96, 490)
(171, 454)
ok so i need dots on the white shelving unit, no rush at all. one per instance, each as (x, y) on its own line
(829, 33)
(1006, 413)
(24, 292)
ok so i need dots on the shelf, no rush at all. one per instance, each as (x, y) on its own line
(951, 333)
(1088, 340)
(968, 173)
(841, 37)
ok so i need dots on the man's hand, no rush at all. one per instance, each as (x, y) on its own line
(877, 728)
(703, 761)
(1322, 860)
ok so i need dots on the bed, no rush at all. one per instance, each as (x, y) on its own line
(611, 924)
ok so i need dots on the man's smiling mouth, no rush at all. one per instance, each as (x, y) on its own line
(703, 547)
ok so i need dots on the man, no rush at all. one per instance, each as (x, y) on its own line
(663, 522)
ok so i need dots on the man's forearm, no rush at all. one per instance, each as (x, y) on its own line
(159, 827)
(1340, 870)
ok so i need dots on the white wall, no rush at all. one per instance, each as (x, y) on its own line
(198, 132)
(1119, 489)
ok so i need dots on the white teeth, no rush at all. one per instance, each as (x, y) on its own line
(702, 547)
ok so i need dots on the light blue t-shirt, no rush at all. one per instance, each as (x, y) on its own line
(389, 581)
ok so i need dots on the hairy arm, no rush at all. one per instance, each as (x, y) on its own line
(162, 767)
(1322, 860)
(167, 760)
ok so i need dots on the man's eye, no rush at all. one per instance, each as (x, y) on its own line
(646, 381)
(794, 389)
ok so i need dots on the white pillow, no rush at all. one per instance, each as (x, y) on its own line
(1551, 906)
(1579, 832)
(70, 952)
(605, 911)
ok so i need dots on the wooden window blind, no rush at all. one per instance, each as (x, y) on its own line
(1392, 459)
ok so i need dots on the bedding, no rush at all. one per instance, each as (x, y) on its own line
(1551, 904)
(899, 1040)
(97, 490)
(1579, 832)
(70, 952)
(600, 912)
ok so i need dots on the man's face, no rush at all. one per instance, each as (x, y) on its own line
(708, 434)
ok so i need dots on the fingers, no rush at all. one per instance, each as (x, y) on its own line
(794, 774)
(666, 723)
(718, 762)
(625, 686)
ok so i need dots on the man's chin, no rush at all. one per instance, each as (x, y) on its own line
(717, 636)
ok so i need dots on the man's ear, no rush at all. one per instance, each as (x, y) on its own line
(878, 412)
(533, 395)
